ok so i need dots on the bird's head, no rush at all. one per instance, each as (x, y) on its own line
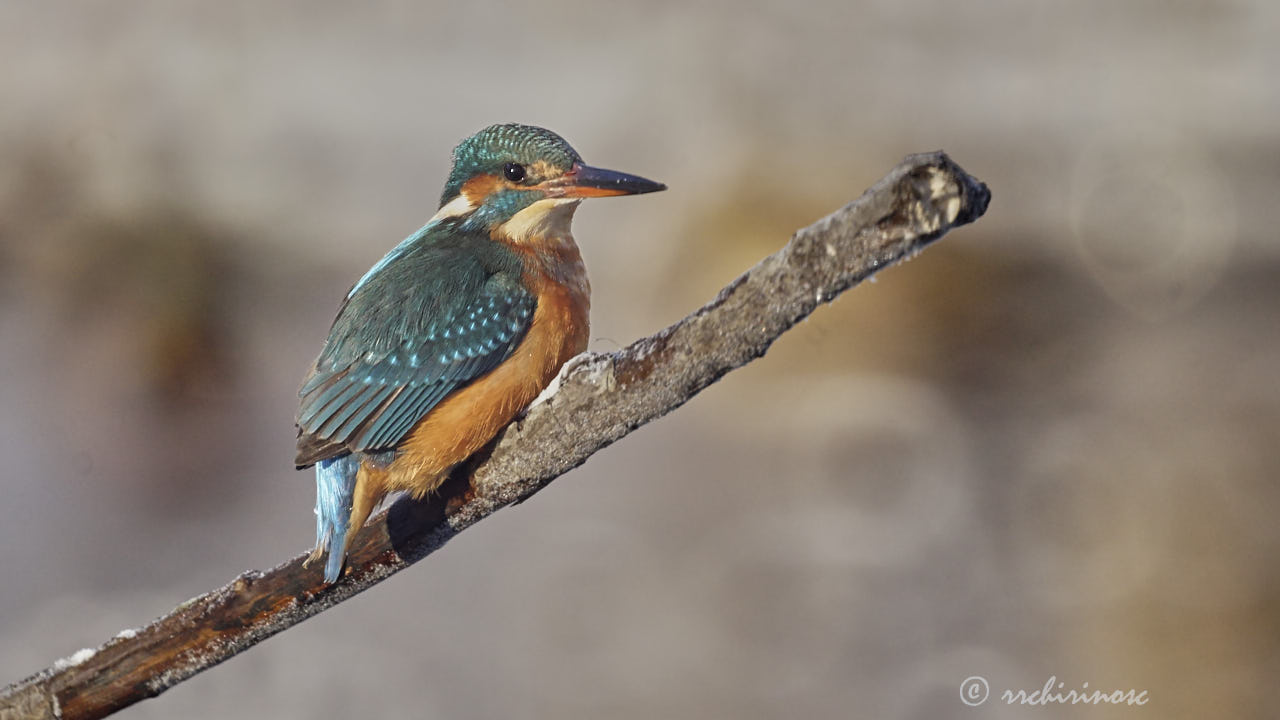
(505, 171)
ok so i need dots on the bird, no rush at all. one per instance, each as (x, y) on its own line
(454, 332)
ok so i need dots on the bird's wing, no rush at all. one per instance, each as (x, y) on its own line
(406, 338)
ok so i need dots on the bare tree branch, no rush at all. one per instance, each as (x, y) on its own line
(601, 397)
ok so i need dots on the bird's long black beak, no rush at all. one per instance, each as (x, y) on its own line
(585, 181)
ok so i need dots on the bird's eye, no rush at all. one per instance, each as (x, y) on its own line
(513, 172)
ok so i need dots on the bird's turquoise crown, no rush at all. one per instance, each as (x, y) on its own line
(489, 150)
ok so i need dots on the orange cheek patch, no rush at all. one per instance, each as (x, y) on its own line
(480, 187)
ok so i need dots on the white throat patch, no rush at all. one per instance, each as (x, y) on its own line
(549, 218)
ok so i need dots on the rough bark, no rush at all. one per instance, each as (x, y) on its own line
(599, 399)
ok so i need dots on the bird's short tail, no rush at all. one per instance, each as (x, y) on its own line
(335, 486)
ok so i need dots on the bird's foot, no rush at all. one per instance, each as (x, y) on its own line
(315, 554)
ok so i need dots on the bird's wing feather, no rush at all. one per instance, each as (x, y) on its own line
(406, 338)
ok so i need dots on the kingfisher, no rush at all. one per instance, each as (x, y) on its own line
(452, 333)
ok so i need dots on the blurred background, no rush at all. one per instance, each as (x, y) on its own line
(1046, 447)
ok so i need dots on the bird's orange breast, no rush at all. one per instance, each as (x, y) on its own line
(471, 416)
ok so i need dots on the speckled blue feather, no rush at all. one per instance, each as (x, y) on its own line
(446, 309)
